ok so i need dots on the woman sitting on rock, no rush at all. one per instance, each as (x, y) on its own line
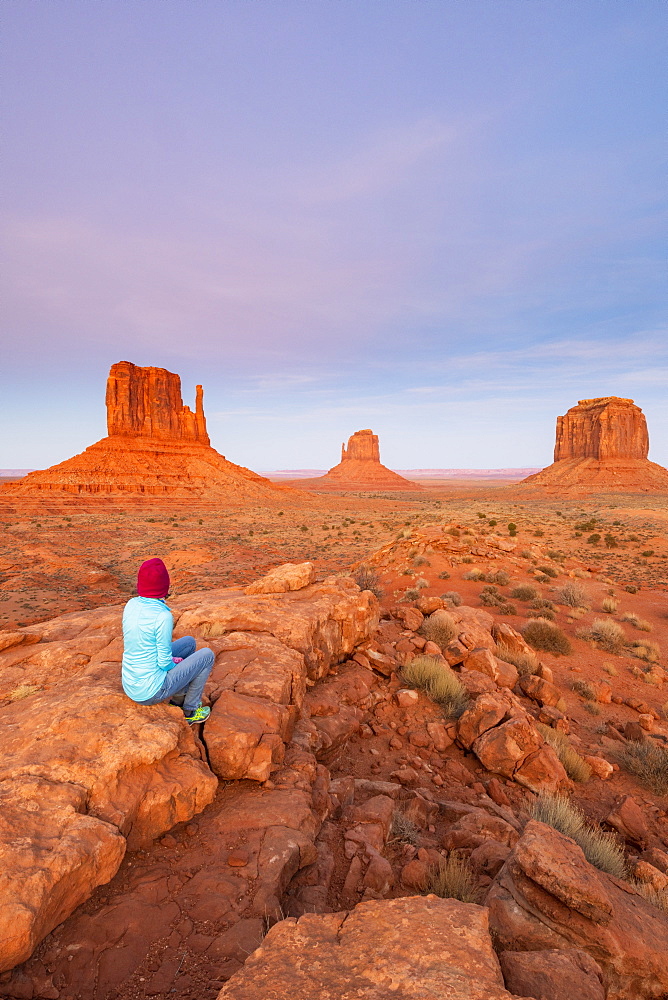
(156, 669)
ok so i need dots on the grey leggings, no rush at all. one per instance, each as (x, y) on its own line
(185, 679)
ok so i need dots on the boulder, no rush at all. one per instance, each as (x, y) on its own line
(281, 579)
(540, 690)
(504, 635)
(482, 659)
(416, 947)
(483, 714)
(545, 974)
(547, 897)
(629, 821)
(516, 750)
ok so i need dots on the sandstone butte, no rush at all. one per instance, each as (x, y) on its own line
(601, 444)
(155, 446)
(360, 468)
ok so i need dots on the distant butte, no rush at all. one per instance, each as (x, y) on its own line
(360, 468)
(601, 444)
(155, 446)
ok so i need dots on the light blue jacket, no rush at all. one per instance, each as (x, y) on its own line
(147, 646)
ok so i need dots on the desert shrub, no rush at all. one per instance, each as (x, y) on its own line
(512, 528)
(538, 533)
(421, 583)
(609, 605)
(647, 553)
(610, 669)
(525, 592)
(541, 578)
(545, 613)
(455, 532)
(411, 594)
(421, 561)
(633, 619)
(602, 850)
(404, 829)
(648, 760)
(573, 594)
(594, 538)
(605, 633)
(474, 574)
(467, 559)
(631, 588)
(542, 604)
(526, 663)
(544, 635)
(548, 571)
(444, 575)
(454, 878)
(610, 542)
(574, 765)
(492, 523)
(584, 689)
(500, 577)
(438, 682)
(452, 597)
(367, 578)
(438, 628)
(555, 555)
(648, 651)
(592, 708)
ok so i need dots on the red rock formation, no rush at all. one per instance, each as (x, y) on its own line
(156, 447)
(359, 469)
(601, 444)
(146, 402)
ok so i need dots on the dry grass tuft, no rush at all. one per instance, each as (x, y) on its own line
(575, 767)
(648, 760)
(607, 634)
(602, 850)
(524, 592)
(526, 663)
(609, 605)
(452, 597)
(648, 651)
(584, 689)
(543, 635)
(23, 691)
(657, 897)
(453, 878)
(438, 682)
(633, 619)
(438, 628)
(473, 574)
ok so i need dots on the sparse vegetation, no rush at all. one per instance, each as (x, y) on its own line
(640, 623)
(608, 635)
(421, 561)
(404, 829)
(411, 594)
(453, 878)
(473, 574)
(452, 597)
(526, 663)
(548, 571)
(584, 689)
(574, 765)
(438, 628)
(602, 850)
(23, 691)
(525, 592)
(648, 760)
(609, 605)
(657, 897)
(574, 595)
(367, 578)
(444, 575)
(500, 578)
(438, 682)
(544, 635)
(648, 651)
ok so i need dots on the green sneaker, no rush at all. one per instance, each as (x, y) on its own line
(199, 715)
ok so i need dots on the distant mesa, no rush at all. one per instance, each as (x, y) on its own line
(602, 444)
(360, 468)
(155, 446)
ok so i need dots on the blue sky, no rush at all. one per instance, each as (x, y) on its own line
(443, 220)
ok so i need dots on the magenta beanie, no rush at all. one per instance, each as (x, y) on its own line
(153, 579)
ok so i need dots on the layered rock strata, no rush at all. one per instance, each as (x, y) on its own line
(601, 444)
(360, 468)
(85, 772)
(156, 446)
